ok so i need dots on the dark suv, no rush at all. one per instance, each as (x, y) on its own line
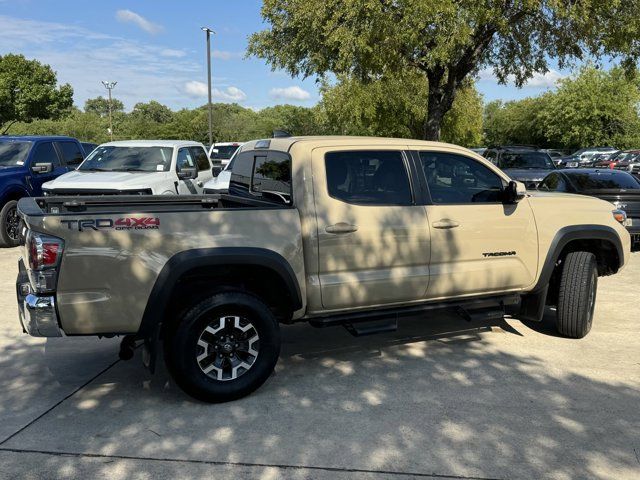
(523, 163)
(25, 164)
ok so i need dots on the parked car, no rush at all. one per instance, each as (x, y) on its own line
(525, 164)
(620, 188)
(25, 164)
(220, 154)
(479, 150)
(630, 162)
(555, 154)
(583, 157)
(220, 183)
(138, 167)
(326, 230)
(88, 147)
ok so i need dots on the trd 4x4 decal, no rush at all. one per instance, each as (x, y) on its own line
(124, 223)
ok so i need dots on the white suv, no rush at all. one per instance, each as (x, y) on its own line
(138, 167)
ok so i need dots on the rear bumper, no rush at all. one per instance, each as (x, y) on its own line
(37, 313)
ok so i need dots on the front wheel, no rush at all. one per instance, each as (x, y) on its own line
(9, 225)
(577, 294)
(224, 347)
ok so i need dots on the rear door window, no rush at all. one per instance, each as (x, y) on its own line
(368, 177)
(71, 153)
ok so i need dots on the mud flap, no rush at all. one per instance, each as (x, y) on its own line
(532, 305)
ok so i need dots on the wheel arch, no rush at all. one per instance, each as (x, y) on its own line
(601, 240)
(223, 267)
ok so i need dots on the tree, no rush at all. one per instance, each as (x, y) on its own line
(392, 107)
(152, 111)
(594, 108)
(447, 41)
(29, 91)
(100, 106)
(518, 122)
(591, 108)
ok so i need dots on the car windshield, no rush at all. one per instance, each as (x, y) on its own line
(12, 153)
(224, 151)
(604, 181)
(528, 160)
(128, 159)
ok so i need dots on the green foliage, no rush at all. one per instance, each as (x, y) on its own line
(594, 108)
(29, 90)
(591, 108)
(446, 40)
(394, 107)
(100, 106)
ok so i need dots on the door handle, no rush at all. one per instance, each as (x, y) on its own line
(445, 223)
(341, 227)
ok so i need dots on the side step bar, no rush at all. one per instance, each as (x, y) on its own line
(473, 309)
(371, 328)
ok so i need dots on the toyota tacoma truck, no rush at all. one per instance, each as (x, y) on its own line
(327, 230)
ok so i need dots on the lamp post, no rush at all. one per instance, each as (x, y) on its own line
(208, 31)
(109, 86)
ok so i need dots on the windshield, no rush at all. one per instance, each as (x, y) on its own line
(13, 153)
(604, 181)
(224, 151)
(128, 159)
(532, 160)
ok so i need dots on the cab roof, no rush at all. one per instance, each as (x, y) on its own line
(285, 143)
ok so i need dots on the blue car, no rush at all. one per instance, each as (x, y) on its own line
(25, 164)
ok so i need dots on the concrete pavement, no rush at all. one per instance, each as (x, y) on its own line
(439, 398)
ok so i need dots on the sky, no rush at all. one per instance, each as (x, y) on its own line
(155, 50)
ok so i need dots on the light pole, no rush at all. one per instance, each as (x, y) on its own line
(208, 31)
(109, 86)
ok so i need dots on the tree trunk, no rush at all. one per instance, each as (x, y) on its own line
(442, 91)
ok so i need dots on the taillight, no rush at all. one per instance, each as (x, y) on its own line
(45, 253)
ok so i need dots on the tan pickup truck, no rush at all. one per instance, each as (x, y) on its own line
(330, 230)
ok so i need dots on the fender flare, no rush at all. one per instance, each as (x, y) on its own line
(533, 303)
(182, 262)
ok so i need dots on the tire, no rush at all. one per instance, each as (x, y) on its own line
(203, 357)
(577, 294)
(9, 225)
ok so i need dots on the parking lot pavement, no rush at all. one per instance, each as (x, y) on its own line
(439, 398)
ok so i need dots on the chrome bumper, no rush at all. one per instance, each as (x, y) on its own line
(37, 314)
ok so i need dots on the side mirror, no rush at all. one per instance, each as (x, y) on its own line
(216, 170)
(42, 167)
(514, 192)
(187, 173)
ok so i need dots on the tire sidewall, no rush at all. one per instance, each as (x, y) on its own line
(5, 239)
(182, 347)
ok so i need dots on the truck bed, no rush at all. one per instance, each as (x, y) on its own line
(116, 247)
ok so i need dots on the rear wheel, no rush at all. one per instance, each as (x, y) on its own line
(9, 225)
(577, 294)
(224, 347)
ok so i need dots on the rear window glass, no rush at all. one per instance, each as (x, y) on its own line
(526, 160)
(224, 151)
(603, 181)
(263, 174)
